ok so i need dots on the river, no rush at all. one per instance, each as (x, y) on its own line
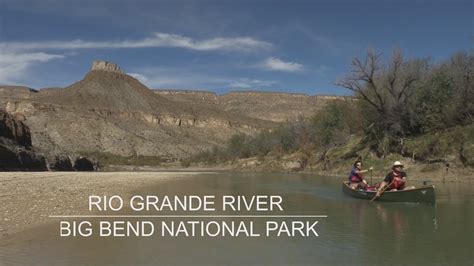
(355, 232)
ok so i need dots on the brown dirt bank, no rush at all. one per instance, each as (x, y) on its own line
(28, 198)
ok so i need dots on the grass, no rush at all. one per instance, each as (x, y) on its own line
(439, 145)
(455, 145)
(431, 167)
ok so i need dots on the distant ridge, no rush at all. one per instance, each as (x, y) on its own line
(109, 111)
(197, 91)
(272, 106)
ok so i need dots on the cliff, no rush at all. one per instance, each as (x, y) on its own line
(16, 152)
(271, 106)
(106, 66)
(109, 111)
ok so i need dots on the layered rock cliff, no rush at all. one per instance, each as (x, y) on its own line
(106, 66)
(109, 111)
(271, 106)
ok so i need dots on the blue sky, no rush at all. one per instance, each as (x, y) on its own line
(293, 46)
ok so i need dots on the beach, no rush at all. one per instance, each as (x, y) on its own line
(29, 198)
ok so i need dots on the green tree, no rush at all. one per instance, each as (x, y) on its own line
(335, 123)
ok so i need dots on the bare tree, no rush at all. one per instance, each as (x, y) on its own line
(385, 87)
(361, 80)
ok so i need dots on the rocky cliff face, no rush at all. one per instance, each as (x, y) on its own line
(11, 128)
(15, 146)
(270, 106)
(106, 66)
(109, 111)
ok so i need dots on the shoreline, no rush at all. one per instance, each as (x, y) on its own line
(29, 198)
(415, 172)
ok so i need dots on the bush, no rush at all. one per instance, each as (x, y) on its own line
(185, 163)
(335, 123)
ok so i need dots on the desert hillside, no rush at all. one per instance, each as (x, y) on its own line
(272, 106)
(110, 112)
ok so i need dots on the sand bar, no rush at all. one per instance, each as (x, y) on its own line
(29, 198)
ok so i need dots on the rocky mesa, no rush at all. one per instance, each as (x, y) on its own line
(111, 112)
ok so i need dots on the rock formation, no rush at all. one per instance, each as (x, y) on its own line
(13, 129)
(111, 112)
(62, 163)
(270, 106)
(32, 161)
(16, 153)
(86, 164)
(106, 66)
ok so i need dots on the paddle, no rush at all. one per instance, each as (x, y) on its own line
(381, 192)
(371, 171)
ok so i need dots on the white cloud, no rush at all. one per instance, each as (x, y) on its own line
(15, 66)
(171, 78)
(142, 78)
(180, 78)
(245, 83)
(277, 64)
(245, 44)
(16, 58)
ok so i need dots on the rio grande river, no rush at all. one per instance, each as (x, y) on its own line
(355, 232)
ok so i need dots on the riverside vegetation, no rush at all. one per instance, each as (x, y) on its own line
(414, 108)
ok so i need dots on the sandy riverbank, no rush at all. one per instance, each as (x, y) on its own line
(28, 198)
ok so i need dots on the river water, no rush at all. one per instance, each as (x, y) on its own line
(355, 232)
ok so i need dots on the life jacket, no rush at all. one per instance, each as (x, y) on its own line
(397, 184)
(355, 177)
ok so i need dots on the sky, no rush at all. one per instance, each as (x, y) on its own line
(290, 46)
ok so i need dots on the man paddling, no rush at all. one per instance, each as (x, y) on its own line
(395, 179)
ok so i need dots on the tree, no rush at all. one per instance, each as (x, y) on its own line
(386, 89)
(446, 98)
(334, 123)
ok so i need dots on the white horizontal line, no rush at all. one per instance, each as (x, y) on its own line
(188, 216)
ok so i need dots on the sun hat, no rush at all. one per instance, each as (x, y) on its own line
(397, 163)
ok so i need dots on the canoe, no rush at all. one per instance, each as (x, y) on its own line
(420, 194)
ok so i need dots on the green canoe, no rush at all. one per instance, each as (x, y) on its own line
(420, 194)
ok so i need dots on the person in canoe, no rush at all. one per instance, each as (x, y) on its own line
(356, 177)
(396, 179)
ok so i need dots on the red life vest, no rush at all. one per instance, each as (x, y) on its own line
(398, 184)
(356, 177)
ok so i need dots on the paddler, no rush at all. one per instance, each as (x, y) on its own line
(356, 177)
(396, 178)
